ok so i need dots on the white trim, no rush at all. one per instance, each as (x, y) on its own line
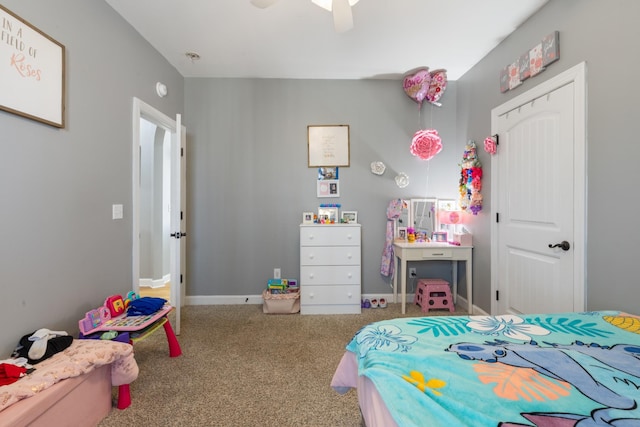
(577, 76)
(257, 300)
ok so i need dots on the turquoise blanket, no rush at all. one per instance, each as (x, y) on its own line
(553, 370)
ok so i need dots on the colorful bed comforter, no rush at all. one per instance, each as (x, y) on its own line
(560, 370)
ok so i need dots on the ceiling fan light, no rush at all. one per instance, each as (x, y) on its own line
(326, 4)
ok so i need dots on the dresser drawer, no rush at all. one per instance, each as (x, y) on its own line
(329, 235)
(328, 255)
(327, 294)
(338, 275)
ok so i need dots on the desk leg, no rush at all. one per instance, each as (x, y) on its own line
(403, 295)
(124, 396)
(454, 276)
(395, 278)
(174, 345)
(469, 287)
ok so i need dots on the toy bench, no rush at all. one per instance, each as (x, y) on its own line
(74, 385)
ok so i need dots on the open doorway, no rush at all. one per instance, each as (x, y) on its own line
(155, 208)
(159, 205)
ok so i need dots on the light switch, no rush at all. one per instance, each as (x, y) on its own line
(117, 211)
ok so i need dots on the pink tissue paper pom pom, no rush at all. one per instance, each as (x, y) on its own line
(426, 144)
(490, 145)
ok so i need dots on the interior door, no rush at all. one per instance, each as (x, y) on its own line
(178, 215)
(177, 184)
(539, 202)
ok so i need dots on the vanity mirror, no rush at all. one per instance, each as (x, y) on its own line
(422, 216)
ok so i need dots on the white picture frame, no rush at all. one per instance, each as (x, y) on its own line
(349, 217)
(307, 217)
(328, 188)
(328, 215)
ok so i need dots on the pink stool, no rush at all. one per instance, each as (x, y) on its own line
(433, 293)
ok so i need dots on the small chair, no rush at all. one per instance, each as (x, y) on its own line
(432, 294)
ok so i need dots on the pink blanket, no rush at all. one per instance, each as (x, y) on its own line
(80, 358)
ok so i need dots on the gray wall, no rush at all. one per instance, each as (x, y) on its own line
(249, 181)
(605, 34)
(61, 254)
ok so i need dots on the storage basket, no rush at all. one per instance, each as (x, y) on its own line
(281, 303)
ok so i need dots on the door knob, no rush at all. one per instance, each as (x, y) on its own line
(178, 235)
(564, 245)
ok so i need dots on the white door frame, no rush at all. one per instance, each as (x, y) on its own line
(577, 76)
(144, 110)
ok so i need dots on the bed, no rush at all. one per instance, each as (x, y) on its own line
(553, 370)
(74, 385)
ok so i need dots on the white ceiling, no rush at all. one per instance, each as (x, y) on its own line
(296, 39)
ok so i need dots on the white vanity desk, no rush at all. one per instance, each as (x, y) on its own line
(430, 251)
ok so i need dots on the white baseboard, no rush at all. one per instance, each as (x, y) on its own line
(223, 299)
(257, 299)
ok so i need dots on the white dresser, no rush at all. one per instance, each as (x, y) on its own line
(330, 269)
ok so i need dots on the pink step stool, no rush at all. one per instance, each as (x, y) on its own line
(432, 294)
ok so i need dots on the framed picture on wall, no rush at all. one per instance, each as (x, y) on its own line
(32, 75)
(328, 188)
(328, 145)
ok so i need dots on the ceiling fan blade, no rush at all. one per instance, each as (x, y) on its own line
(342, 16)
(263, 4)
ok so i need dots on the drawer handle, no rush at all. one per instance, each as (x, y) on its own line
(310, 236)
(349, 256)
(349, 236)
(311, 295)
(349, 295)
(311, 256)
(438, 254)
(310, 275)
(349, 275)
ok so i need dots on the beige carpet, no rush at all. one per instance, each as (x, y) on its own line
(241, 367)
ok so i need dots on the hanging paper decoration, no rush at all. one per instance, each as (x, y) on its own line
(424, 85)
(426, 144)
(377, 168)
(471, 180)
(490, 145)
(402, 180)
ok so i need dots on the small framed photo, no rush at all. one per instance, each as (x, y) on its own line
(327, 215)
(349, 217)
(328, 188)
(439, 236)
(328, 173)
(402, 234)
(307, 217)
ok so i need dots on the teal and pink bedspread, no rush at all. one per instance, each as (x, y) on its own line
(555, 370)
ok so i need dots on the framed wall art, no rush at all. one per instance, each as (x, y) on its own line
(328, 188)
(328, 145)
(32, 71)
